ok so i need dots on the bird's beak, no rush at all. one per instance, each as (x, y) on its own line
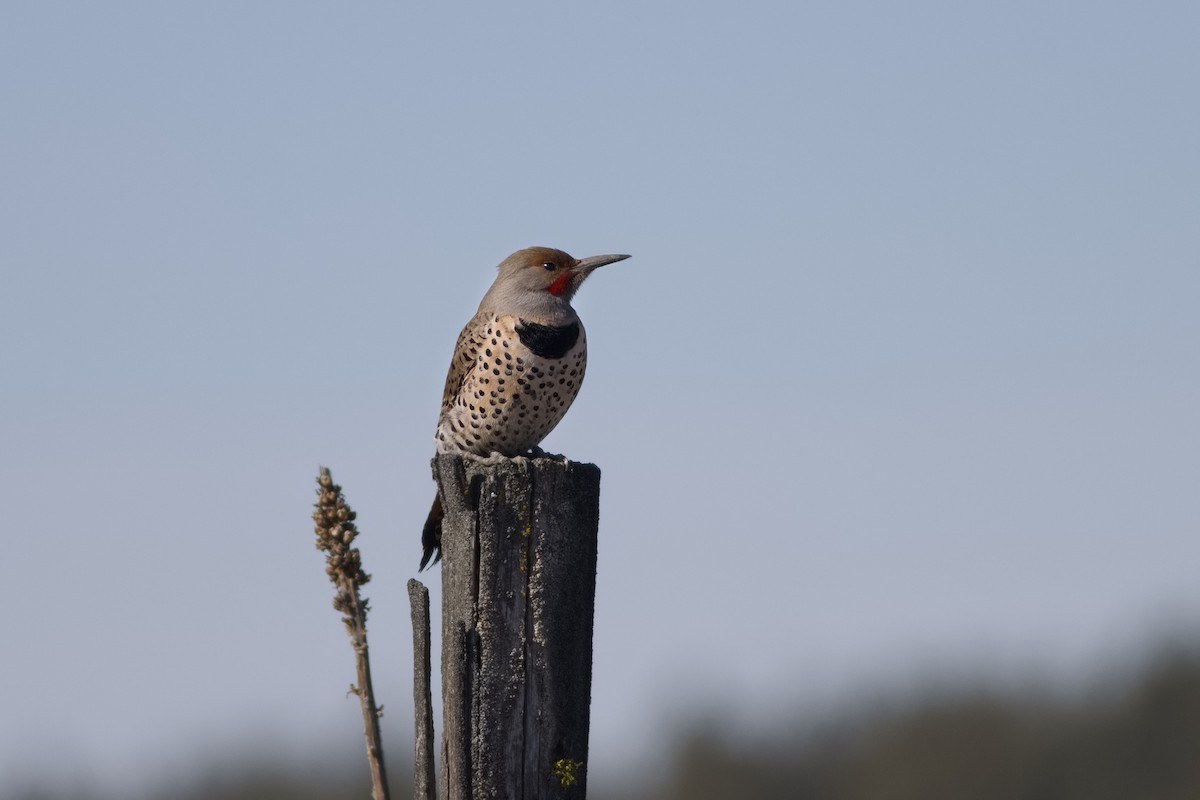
(585, 265)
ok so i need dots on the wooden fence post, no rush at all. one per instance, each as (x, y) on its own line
(518, 599)
(423, 782)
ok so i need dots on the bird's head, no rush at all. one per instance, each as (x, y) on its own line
(542, 277)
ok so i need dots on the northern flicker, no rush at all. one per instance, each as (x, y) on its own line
(517, 366)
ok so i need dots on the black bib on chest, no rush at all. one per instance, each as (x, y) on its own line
(547, 341)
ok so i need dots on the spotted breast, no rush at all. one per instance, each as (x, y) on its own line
(515, 382)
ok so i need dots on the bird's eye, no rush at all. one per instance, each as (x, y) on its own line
(549, 265)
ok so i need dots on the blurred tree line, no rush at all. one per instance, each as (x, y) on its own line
(1136, 739)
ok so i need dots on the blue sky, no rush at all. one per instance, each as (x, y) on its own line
(901, 380)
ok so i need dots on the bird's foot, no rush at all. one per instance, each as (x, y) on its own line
(531, 454)
(537, 452)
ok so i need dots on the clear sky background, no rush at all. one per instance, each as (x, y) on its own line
(901, 381)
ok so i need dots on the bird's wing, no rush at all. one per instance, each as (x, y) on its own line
(466, 357)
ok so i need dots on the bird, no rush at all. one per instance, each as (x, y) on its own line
(517, 366)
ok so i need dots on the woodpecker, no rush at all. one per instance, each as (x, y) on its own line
(517, 366)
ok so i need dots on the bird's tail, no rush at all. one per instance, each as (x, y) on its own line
(431, 535)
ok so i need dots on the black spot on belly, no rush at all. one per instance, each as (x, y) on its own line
(546, 340)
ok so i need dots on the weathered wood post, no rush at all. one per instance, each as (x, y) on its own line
(518, 599)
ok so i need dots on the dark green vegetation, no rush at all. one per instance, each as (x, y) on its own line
(1138, 738)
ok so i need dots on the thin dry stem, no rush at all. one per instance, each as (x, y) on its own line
(335, 532)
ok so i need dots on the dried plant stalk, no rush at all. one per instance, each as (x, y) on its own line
(336, 531)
